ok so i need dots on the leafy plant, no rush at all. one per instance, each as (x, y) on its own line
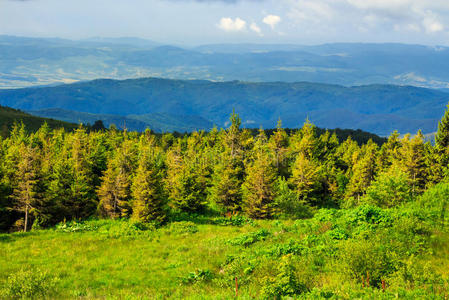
(32, 284)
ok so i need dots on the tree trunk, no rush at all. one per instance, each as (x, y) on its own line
(26, 219)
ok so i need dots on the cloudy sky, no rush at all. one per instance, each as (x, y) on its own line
(231, 21)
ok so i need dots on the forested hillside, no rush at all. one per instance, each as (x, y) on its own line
(379, 109)
(9, 116)
(289, 214)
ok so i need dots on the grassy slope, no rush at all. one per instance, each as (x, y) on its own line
(114, 263)
(9, 116)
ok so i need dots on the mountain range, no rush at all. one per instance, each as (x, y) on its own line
(185, 105)
(41, 61)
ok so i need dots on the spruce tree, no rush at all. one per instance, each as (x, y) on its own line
(363, 172)
(278, 144)
(228, 170)
(259, 188)
(442, 136)
(185, 184)
(306, 180)
(25, 194)
(442, 148)
(147, 192)
(114, 192)
(413, 162)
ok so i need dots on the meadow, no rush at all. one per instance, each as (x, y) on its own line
(365, 253)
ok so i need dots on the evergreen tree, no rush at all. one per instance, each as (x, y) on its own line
(278, 144)
(413, 162)
(114, 192)
(228, 171)
(185, 184)
(306, 180)
(442, 147)
(363, 171)
(25, 192)
(259, 188)
(148, 198)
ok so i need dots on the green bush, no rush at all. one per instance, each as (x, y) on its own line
(250, 238)
(198, 276)
(183, 227)
(284, 283)
(435, 202)
(389, 190)
(287, 202)
(29, 284)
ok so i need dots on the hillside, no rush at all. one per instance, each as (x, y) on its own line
(39, 61)
(380, 109)
(157, 122)
(9, 116)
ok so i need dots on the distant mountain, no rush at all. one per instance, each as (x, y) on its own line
(9, 116)
(199, 104)
(33, 62)
(158, 122)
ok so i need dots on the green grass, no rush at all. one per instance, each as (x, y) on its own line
(200, 259)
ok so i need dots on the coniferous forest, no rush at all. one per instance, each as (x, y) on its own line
(223, 212)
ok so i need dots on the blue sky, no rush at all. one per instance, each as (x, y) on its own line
(191, 22)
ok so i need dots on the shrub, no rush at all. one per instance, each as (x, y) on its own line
(367, 262)
(288, 203)
(183, 227)
(31, 284)
(235, 220)
(435, 202)
(250, 238)
(284, 283)
(198, 276)
(75, 227)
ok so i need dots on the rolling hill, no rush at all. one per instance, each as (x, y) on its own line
(9, 116)
(41, 61)
(197, 103)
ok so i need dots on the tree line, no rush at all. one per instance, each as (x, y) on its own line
(50, 176)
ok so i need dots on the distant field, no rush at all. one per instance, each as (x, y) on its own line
(328, 256)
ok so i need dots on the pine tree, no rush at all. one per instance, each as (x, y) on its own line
(259, 188)
(148, 198)
(114, 192)
(185, 184)
(413, 162)
(363, 171)
(389, 152)
(228, 171)
(442, 136)
(25, 192)
(442, 148)
(306, 180)
(278, 144)
(232, 137)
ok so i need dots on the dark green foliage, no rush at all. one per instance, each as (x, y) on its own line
(10, 116)
(56, 175)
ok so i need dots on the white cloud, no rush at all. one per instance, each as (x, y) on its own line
(254, 27)
(400, 16)
(229, 24)
(432, 26)
(272, 20)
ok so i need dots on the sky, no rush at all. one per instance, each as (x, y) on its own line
(195, 22)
